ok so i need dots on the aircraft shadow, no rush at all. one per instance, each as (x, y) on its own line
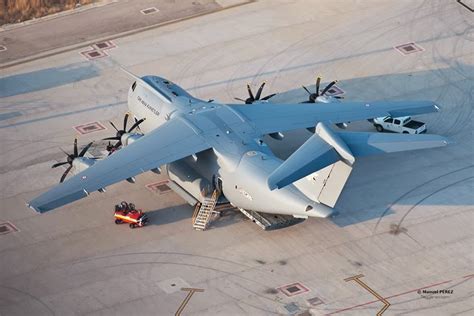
(46, 78)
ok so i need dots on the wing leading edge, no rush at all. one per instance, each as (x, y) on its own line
(170, 142)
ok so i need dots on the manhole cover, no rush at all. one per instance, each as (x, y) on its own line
(93, 54)
(104, 45)
(7, 227)
(292, 308)
(314, 301)
(148, 11)
(409, 48)
(89, 128)
(335, 90)
(293, 289)
(159, 187)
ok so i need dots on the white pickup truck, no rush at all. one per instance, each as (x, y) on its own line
(403, 125)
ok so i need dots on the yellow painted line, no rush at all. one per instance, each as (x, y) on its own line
(186, 300)
(356, 278)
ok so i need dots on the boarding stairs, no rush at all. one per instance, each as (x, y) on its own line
(203, 212)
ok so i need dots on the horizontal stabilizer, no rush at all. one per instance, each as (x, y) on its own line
(313, 155)
(365, 144)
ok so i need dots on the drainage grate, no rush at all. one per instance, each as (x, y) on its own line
(468, 4)
(93, 54)
(3, 48)
(314, 301)
(160, 187)
(7, 227)
(104, 45)
(335, 90)
(89, 128)
(293, 289)
(292, 308)
(409, 48)
(148, 11)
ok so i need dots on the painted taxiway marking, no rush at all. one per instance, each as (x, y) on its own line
(469, 276)
(356, 278)
(186, 300)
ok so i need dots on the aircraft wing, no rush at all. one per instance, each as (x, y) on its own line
(171, 141)
(272, 117)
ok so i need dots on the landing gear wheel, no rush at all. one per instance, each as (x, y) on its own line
(132, 225)
(118, 221)
(379, 128)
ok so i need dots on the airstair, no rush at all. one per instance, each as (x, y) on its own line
(203, 212)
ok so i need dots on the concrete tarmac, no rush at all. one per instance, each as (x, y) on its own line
(402, 242)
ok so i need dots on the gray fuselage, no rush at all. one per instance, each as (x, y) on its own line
(243, 163)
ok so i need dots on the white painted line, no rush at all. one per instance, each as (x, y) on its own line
(3, 48)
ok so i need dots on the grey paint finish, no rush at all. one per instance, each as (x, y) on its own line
(178, 125)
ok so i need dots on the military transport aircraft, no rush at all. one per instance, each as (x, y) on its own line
(202, 142)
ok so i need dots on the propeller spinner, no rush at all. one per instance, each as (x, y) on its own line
(313, 97)
(251, 99)
(121, 132)
(70, 158)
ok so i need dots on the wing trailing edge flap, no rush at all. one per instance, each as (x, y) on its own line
(322, 149)
(365, 144)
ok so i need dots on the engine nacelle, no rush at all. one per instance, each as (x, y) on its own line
(82, 163)
(128, 138)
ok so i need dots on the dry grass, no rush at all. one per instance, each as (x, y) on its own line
(14, 11)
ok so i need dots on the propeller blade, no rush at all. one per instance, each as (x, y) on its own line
(136, 124)
(306, 89)
(318, 81)
(75, 147)
(118, 144)
(338, 97)
(259, 92)
(113, 126)
(269, 96)
(329, 86)
(85, 149)
(65, 152)
(239, 99)
(125, 121)
(111, 138)
(65, 174)
(250, 92)
(59, 164)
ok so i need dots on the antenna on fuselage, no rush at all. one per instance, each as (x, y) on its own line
(146, 85)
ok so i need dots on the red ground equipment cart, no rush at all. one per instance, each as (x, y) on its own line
(126, 213)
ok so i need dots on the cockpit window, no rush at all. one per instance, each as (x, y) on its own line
(134, 85)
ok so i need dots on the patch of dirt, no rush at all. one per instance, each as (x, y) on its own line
(15, 11)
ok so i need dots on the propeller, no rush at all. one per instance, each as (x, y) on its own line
(251, 99)
(120, 132)
(314, 96)
(70, 158)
